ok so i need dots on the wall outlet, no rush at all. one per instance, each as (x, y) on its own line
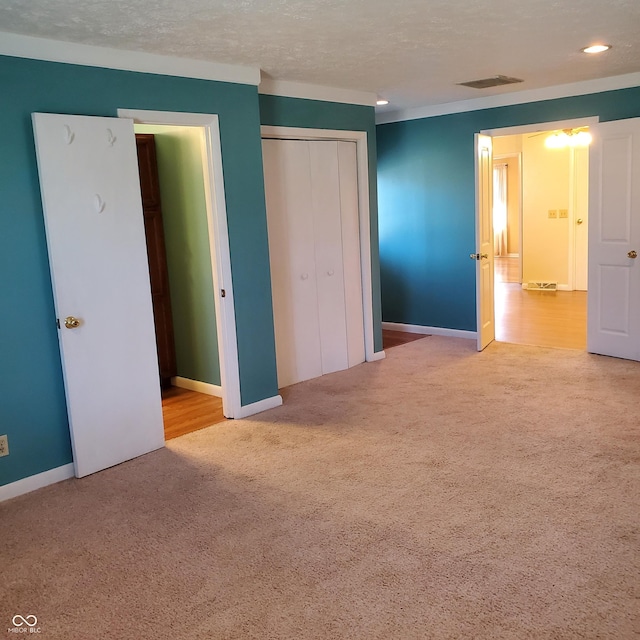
(563, 213)
(553, 213)
(4, 446)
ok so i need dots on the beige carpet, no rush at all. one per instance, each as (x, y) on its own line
(439, 493)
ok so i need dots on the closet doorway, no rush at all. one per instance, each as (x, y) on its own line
(318, 223)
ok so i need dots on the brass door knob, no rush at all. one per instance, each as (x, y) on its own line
(579, 221)
(71, 323)
(633, 254)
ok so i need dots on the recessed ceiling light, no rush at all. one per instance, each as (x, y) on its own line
(381, 103)
(596, 48)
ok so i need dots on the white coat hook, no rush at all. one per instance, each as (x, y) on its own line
(68, 135)
(99, 203)
(110, 137)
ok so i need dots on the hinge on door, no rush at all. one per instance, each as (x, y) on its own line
(223, 293)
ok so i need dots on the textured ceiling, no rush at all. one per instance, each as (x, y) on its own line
(410, 51)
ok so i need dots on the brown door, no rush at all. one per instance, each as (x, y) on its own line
(156, 253)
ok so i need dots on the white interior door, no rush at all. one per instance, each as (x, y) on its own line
(484, 240)
(314, 244)
(97, 253)
(613, 326)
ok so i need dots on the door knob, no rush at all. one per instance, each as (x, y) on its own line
(71, 323)
(633, 254)
(579, 221)
(479, 256)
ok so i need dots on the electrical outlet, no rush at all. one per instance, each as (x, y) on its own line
(4, 446)
(553, 213)
(563, 213)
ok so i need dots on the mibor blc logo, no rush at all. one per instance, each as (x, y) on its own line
(24, 624)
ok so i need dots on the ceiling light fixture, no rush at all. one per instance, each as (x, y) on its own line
(596, 48)
(382, 102)
(568, 138)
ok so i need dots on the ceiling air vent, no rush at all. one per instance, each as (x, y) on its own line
(495, 81)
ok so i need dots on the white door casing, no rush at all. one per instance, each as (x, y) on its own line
(220, 253)
(579, 218)
(484, 240)
(363, 224)
(97, 253)
(613, 326)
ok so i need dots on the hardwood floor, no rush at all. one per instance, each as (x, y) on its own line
(541, 318)
(391, 338)
(506, 269)
(185, 411)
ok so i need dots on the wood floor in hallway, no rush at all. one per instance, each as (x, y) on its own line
(541, 318)
(185, 411)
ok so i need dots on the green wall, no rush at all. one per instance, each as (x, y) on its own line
(32, 402)
(426, 190)
(314, 114)
(184, 217)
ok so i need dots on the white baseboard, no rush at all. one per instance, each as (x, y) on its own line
(196, 385)
(257, 407)
(378, 355)
(434, 331)
(26, 485)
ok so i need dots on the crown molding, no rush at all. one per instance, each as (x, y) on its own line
(20, 46)
(519, 97)
(290, 89)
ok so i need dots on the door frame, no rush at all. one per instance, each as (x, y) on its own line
(537, 127)
(518, 157)
(218, 242)
(364, 213)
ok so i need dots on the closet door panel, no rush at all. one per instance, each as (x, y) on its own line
(325, 189)
(348, 172)
(291, 248)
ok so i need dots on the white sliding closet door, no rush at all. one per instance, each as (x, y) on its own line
(312, 212)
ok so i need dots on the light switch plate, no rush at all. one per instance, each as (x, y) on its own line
(553, 213)
(563, 213)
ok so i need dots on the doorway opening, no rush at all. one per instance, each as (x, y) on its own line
(203, 387)
(540, 214)
(176, 229)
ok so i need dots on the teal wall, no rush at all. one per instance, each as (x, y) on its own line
(32, 402)
(186, 231)
(314, 114)
(427, 203)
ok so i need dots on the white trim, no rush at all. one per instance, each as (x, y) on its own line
(218, 242)
(378, 355)
(315, 92)
(257, 407)
(362, 153)
(585, 87)
(430, 331)
(537, 127)
(12, 44)
(197, 385)
(31, 483)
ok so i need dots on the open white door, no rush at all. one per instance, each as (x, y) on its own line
(613, 326)
(97, 253)
(484, 240)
